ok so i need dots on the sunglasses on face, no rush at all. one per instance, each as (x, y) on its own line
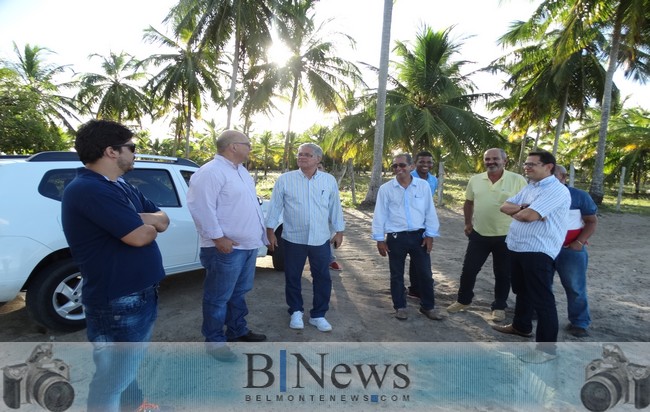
(130, 146)
(396, 165)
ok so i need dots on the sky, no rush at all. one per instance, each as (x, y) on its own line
(74, 29)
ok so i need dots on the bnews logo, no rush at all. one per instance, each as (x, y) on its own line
(296, 371)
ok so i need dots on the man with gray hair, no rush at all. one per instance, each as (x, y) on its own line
(571, 263)
(229, 219)
(486, 229)
(310, 205)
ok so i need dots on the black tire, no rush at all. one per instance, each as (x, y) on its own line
(278, 253)
(53, 297)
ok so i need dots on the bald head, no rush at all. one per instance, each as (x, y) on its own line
(228, 137)
(560, 173)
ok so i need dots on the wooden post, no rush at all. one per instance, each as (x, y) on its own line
(620, 190)
(572, 175)
(441, 181)
(352, 187)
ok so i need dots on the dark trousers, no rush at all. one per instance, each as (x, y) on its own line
(478, 250)
(532, 282)
(409, 243)
(295, 255)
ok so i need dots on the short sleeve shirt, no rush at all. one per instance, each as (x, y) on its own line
(488, 198)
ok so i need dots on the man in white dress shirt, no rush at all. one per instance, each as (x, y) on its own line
(405, 223)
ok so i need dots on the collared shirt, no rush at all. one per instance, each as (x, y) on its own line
(223, 202)
(96, 213)
(310, 208)
(431, 179)
(551, 199)
(400, 209)
(488, 197)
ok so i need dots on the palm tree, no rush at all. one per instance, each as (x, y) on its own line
(313, 70)
(545, 86)
(115, 93)
(628, 146)
(39, 77)
(185, 76)
(430, 102)
(214, 23)
(266, 150)
(378, 146)
(627, 22)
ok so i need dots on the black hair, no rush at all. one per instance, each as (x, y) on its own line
(95, 136)
(545, 157)
(423, 154)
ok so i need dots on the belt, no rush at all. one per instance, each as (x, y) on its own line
(407, 232)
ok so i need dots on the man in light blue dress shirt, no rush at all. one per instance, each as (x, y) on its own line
(405, 223)
(310, 205)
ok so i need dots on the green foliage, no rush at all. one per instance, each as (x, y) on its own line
(24, 129)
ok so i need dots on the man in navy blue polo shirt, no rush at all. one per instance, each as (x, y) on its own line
(111, 229)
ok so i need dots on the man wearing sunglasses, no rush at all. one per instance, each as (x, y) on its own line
(405, 223)
(111, 229)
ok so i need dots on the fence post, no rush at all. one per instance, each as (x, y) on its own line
(441, 181)
(620, 190)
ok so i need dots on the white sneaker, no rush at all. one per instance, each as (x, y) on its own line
(321, 323)
(296, 320)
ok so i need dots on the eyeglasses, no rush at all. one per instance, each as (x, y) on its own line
(396, 165)
(130, 146)
(532, 164)
(422, 162)
(305, 155)
(244, 143)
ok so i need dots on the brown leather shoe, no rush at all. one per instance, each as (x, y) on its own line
(431, 314)
(510, 330)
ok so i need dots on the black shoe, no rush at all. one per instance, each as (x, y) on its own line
(249, 337)
(222, 354)
(413, 293)
(577, 331)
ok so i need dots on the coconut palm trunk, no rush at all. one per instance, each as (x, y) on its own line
(378, 148)
(596, 190)
(294, 95)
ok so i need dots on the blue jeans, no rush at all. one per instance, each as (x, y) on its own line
(400, 245)
(478, 250)
(532, 282)
(295, 255)
(228, 277)
(571, 265)
(126, 319)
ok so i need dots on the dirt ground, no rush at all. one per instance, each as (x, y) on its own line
(361, 310)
